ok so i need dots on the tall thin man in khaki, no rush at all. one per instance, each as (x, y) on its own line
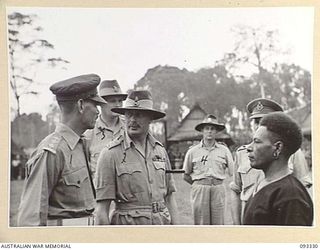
(58, 189)
(206, 165)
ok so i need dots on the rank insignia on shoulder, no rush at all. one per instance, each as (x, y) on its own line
(52, 143)
(115, 142)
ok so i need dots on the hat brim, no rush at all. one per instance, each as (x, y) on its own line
(98, 99)
(256, 116)
(154, 113)
(122, 96)
(218, 126)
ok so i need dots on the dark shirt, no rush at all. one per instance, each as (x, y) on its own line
(284, 202)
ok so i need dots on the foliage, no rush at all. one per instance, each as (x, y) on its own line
(27, 52)
(28, 130)
(219, 93)
(255, 50)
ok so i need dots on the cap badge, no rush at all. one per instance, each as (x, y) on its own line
(136, 102)
(259, 106)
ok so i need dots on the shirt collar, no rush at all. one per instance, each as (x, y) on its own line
(128, 141)
(215, 145)
(103, 125)
(68, 134)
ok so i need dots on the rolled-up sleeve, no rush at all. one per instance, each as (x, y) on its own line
(105, 180)
(230, 162)
(187, 163)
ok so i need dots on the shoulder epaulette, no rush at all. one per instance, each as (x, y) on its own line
(222, 143)
(51, 143)
(192, 146)
(115, 142)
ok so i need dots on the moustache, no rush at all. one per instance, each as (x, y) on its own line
(133, 124)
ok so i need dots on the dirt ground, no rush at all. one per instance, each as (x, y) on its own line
(182, 197)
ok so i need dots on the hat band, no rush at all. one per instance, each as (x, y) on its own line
(264, 110)
(147, 104)
(110, 91)
(86, 95)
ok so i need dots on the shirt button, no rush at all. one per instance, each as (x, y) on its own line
(78, 182)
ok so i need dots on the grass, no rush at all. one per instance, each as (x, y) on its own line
(182, 196)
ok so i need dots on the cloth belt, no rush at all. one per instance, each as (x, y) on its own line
(155, 207)
(83, 221)
(211, 181)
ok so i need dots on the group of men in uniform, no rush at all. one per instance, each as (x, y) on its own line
(66, 184)
(108, 169)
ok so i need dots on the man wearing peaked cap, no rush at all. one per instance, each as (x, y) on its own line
(109, 125)
(261, 106)
(58, 188)
(132, 171)
(245, 177)
(80, 87)
(206, 165)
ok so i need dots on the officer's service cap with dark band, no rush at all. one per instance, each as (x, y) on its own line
(261, 106)
(111, 88)
(79, 87)
(140, 100)
(210, 120)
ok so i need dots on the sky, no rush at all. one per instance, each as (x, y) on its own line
(123, 43)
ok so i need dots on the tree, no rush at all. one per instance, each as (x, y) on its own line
(177, 89)
(28, 130)
(294, 85)
(218, 92)
(257, 48)
(27, 52)
(168, 86)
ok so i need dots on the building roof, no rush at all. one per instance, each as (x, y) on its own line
(186, 129)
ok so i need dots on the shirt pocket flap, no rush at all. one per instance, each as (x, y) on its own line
(128, 168)
(159, 165)
(76, 178)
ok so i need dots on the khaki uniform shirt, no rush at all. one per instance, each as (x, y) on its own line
(100, 137)
(245, 178)
(201, 162)
(132, 180)
(299, 168)
(57, 183)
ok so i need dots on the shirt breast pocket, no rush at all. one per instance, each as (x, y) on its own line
(76, 186)
(198, 164)
(220, 161)
(160, 173)
(76, 178)
(129, 178)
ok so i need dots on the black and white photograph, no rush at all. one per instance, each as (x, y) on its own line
(160, 117)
